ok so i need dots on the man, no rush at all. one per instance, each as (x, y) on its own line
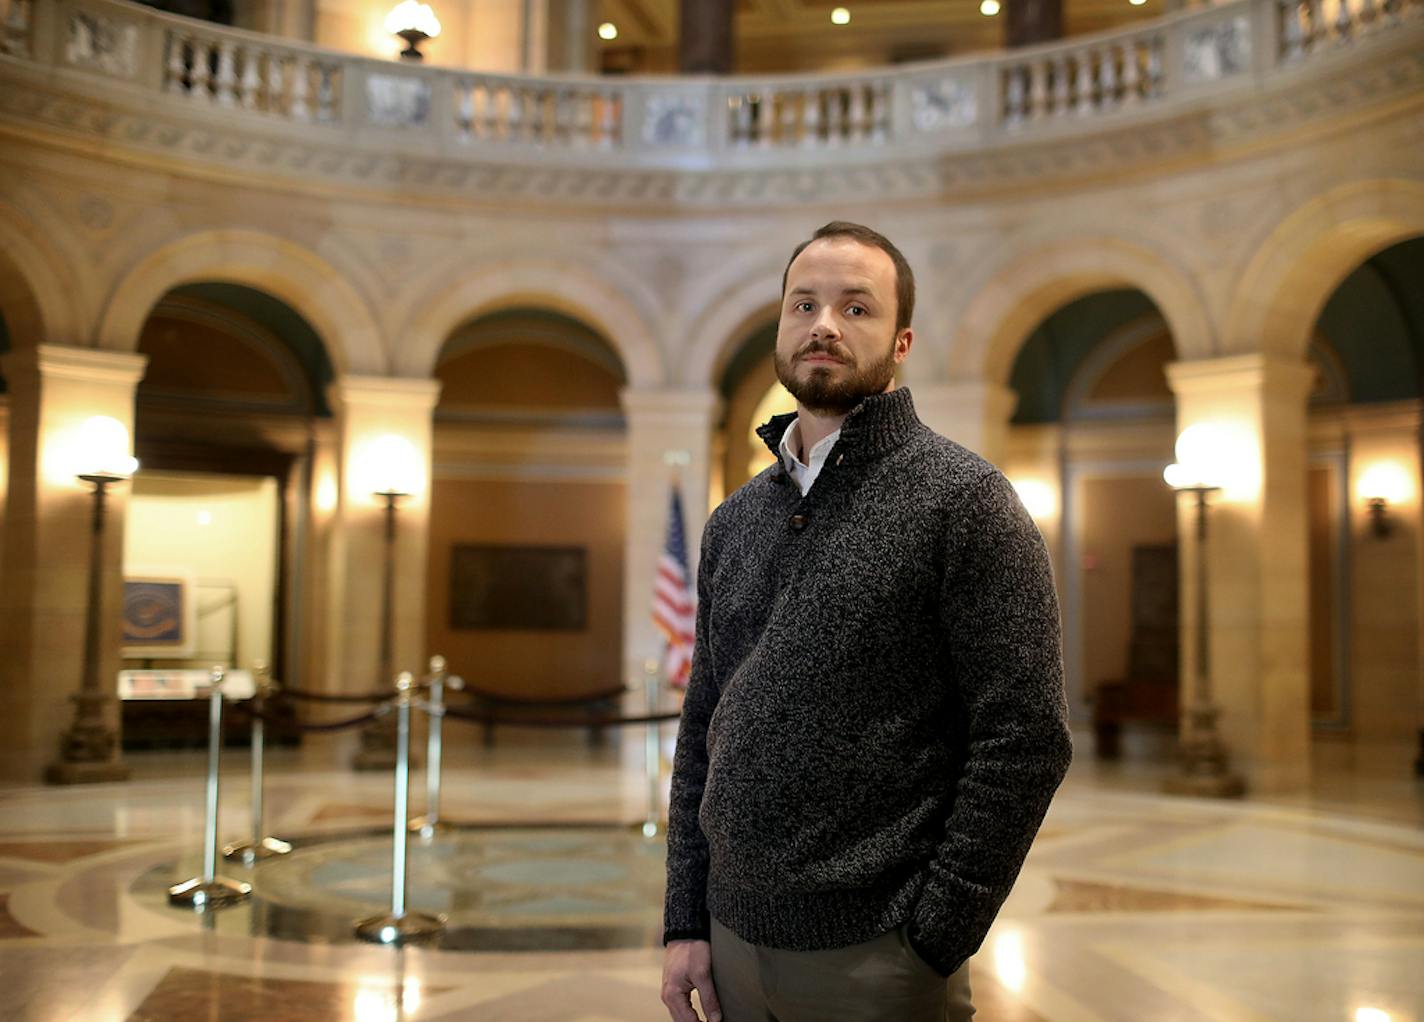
(875, 721)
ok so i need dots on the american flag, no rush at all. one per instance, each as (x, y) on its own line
(672, 600)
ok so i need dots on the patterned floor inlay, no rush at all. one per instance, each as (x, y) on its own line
(10, 927)
(193, 994)
(1081, 896)
(59, 851)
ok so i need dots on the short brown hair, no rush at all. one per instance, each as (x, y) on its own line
(904, 276)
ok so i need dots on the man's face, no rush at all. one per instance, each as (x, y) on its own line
(836, 342)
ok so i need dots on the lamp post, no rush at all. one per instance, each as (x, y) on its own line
(1203, 761)
(87, 748)
(414, 22)
(394, 460)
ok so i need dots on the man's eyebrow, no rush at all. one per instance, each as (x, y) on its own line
(853, 290)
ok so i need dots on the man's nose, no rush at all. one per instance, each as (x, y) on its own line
(825, 327)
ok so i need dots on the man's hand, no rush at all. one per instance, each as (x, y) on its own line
(687, 966)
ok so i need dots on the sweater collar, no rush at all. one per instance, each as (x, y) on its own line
(878, 424)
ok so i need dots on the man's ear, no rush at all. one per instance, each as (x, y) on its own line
(903, 340)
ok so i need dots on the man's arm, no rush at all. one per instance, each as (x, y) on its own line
(1001, 614)
(687, 926)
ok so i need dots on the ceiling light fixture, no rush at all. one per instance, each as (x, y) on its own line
(840, 16)
(608, 31)
(989, 8)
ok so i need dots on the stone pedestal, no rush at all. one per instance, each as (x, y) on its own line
(53, 390)
(1257, 564)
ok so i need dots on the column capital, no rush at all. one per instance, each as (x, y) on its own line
(81, 365)
(1240, 372)
(690, 405)
(409, 394)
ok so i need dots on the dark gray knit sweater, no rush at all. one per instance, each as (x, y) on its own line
(876, 721)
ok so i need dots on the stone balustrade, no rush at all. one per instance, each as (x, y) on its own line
(1083, 84)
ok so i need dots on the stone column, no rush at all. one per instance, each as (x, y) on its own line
(1257, 563)
(974, 413)
(1027, 22)
(368, 408)
(53, 390)
(704, 37)
(679, 423)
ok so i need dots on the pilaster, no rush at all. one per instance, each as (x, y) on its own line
(973, 413)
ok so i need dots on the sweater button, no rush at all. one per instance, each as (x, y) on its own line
(798, 522)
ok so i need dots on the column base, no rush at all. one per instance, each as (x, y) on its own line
(102, 772)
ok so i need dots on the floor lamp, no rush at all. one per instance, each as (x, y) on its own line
(1203, 763)
(87, 750)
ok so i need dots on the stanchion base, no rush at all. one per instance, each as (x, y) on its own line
(1223, 785)
(202, 896)
(249, 852)
(427, 828)
(649, 828)
(103, 772)
(396, 930)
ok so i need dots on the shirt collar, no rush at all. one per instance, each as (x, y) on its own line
(791, 439)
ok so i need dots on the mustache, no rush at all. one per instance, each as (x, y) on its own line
(834, 350)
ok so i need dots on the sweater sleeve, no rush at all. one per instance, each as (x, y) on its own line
(1000, 612)
(685, 913)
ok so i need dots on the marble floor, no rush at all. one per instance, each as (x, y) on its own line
(1132, 906)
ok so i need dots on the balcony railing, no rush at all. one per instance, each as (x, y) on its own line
(1078, 83)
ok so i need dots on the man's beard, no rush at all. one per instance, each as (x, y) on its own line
(820, 392)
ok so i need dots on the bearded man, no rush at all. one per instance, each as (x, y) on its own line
(875, 721)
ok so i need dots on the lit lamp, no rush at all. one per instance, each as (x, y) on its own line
(393, 465)
(1202, 759)
(414, 22)
(86, 750)
(1380, 486)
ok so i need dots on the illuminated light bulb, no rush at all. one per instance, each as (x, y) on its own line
(205, 518)
(391, 464)
(1137, 3)
(102, 448)
(840, 16)
(608, 31)
(989, 8)
(1384, 480)
(413, 16)
(1371, 1015)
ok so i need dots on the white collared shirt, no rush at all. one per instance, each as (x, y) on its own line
(804, 473)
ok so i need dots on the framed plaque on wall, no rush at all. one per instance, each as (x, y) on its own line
(160, 614)
(519, 587)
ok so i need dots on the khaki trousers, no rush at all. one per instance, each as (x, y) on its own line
(881, 980)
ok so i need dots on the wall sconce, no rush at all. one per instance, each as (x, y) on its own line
(414, 22)
(1381, 485)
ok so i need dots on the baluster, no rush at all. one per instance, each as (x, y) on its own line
(745, 123)
(1131, 74)
(15, 36)
(326, 96)
(810, 119)
(276, 84)
(1292, 36)
(1014, 96)
(856, 114)
(1154, 68)
(1062, 87)
(879, 104)
(764, 123)
(250, 81)
(514, 122)
(1084, 84)
(1344, 21)
(226, 81)
(481, 110)
(1367, 20)
(584, 125)
(199, 75)
(788, 118)
(176, 68)
(608, 119)
(833, 118)
(1107, 77)
(1038, 90)
(301, 70)
(1315, 28)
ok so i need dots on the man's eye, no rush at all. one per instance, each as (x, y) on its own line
(856, 310)
(803, 306)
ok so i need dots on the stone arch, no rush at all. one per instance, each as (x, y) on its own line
(266, 262)
(731, 311)
(1029, 286)
(35, 297)
(559, 286)
(1301, 262)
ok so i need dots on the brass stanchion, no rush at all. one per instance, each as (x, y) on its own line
(427, 826)
(652, 755)
(400, 926)
(261, 846)
(211, 891)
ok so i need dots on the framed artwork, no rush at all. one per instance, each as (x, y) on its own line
(160, 614)
(519, 587)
